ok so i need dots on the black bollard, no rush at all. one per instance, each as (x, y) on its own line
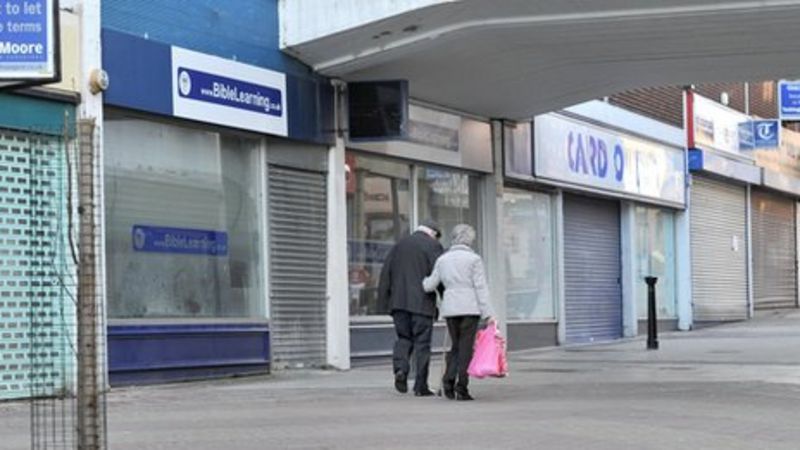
(652, 325)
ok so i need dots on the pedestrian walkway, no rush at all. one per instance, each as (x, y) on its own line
(728, 387)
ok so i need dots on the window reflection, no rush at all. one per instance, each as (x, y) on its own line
(449, 198)
(655, 256)
(150, 184)
(528, 255)
(378, 215)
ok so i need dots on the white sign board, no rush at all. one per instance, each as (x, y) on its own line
(716, 127)
(572, 152)
(217, 90)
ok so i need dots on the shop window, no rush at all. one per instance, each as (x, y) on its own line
(528, 255)
(655, 256)
(182, 217)
(378, 215)
(449, 198)
(379, 206)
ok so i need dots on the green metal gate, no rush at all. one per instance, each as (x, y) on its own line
(37, 308)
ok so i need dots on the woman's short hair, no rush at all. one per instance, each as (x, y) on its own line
(462, 234)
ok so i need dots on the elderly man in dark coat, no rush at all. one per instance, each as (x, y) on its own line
(413, 310)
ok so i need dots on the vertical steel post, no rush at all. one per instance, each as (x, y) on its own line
(652, 324)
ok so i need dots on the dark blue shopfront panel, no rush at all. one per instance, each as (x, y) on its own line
(243, 30)
(141, 354)
(137, 40)
(139, 71)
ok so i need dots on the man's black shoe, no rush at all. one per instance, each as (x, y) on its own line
(425, 393)
(464, 396)
(400, 382)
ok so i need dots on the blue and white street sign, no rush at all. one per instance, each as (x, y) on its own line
(789, 100)
(28, 41)
(766, 133)
(759, 134)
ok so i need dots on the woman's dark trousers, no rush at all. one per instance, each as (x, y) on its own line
(462, 331)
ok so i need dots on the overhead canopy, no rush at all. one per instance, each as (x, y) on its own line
(518, 58)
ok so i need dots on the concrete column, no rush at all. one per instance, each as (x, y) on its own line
(630, 319)
(748, 235)
(492, 221)
(560, 285)
(338, 321)
(683, 269)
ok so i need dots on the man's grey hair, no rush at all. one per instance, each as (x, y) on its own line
(462, 234)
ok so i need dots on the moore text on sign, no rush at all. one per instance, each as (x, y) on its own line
(28, 41)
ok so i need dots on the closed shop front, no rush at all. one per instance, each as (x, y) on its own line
(593, 300)
(37, 270)
(38, 212)
(774, 250)
(297, 223)
(775, 224)
(618, 194)
(722, 178)
(719, 249)
(216, 217)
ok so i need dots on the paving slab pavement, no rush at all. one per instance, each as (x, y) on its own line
(735, 386)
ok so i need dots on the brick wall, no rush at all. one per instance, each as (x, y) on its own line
(666, 103)
(661, 103)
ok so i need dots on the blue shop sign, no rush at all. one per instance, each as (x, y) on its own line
(759, 134)
(219, 90)
(179, 240)
(789, 100)
(27, 40)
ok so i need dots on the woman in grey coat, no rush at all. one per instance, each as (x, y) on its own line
(466, 301)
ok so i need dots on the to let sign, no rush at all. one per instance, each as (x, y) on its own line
(28, 41)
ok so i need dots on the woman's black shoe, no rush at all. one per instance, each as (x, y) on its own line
(463, 396)
(424, 393)
(449, 393)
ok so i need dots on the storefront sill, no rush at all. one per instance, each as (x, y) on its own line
(187, 321)
(118, 379)
(172, 352)
(190, 365)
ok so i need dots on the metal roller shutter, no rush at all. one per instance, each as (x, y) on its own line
(774, 251)
(37, 313)
(592, 270)
(719, 250)
(298, 254)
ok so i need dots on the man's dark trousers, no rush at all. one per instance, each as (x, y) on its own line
(414, 333)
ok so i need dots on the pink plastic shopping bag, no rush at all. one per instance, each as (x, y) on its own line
(489, 357)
